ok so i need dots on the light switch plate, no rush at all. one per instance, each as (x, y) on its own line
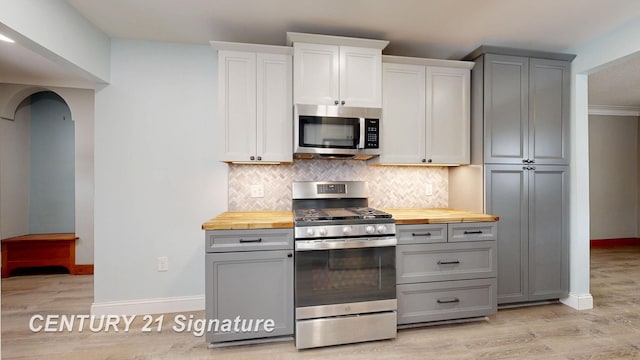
(428, 189)
(257, 191)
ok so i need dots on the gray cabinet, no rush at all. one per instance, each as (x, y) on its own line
(526, 109)
(250, 284)
(520, 136)
(446, 271)
(533, 247)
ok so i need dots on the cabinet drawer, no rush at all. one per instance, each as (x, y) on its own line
(447, 261)
(249, 240)
(478, 231)
(446, 300)
(421, 234)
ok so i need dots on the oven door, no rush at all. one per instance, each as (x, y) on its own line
(341, 271)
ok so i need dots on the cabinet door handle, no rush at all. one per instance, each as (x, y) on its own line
(259, 157)
(448, 301)
(336, 102)
(419, 234)
(430, 161)
(453, 262)
(472, 232)
(342, 102)
(251, 240)
(290, 255)
(252, 157)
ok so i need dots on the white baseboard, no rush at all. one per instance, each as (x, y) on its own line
(149, 306)
(579, 302)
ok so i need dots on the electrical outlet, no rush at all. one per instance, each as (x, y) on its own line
(163, 263)
(428, 189)
(257, 191)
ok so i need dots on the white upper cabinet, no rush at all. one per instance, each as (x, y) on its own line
(331, 70)
(403, 114)
(425, 118)
(254, 103)
(448, 121)
(316, 74)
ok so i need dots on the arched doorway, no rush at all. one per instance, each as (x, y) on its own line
(37, 167)
(81, 103)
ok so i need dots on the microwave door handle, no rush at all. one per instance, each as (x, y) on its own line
(362, 134)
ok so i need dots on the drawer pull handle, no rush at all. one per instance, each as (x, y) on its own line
(454, 262)
(419, 234)
(251, 240)
(473, 232)
(448, 301)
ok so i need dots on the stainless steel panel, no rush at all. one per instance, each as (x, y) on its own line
(338, 111)
(309, 189)
(311, 312)
(333, 231)
(345, 330)
(310, 245)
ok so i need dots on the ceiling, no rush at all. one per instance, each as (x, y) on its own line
(446, 29)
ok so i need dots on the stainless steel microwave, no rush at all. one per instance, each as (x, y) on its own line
(336, 132)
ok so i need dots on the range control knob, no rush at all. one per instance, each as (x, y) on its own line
(322, 231)
(347, 230)
(381, 229)
(370, 229)
(310, 232)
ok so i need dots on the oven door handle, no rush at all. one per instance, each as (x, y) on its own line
(331, 244)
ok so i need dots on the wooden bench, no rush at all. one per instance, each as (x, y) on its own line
(39, 250)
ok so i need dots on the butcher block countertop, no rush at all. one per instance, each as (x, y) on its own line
(231, 220)
(437, 216)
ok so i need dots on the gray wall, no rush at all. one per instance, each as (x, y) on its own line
(14, 173)
(613, 176)
(51, 185)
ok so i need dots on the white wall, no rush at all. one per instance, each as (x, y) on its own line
(55, 30)
(613, 179)
(14, 173)
(156, 176)
(591, 56)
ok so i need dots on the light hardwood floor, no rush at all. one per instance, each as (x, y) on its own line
(610, 331)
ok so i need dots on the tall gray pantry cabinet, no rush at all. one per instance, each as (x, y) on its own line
(520, 135)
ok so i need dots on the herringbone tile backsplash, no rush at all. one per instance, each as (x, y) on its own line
(389, 186)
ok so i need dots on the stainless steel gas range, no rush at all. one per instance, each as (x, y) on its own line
(345, 273)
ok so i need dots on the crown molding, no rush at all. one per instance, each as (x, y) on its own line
(614, 110)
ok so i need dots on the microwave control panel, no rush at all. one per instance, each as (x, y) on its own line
(371, 132)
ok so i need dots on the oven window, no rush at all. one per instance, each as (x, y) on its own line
(318, 131)
(345, 275)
